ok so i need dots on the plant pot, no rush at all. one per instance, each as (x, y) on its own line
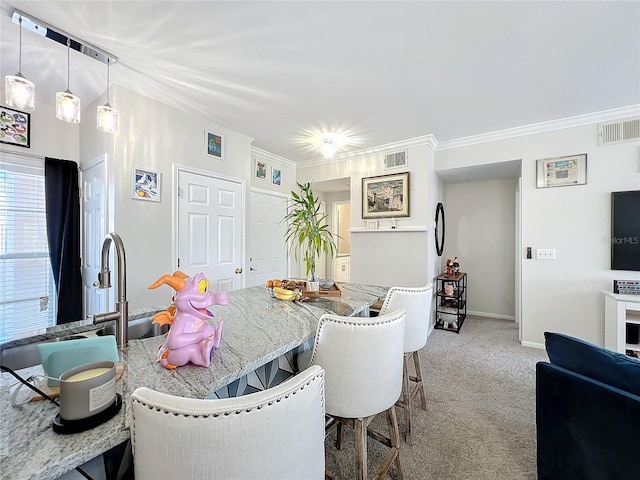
(313, 286)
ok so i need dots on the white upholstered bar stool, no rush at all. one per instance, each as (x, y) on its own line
(274, 434)
(417, 302)
(362, 359)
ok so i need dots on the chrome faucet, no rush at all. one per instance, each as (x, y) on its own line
(121, 315)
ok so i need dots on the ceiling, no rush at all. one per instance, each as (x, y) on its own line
(380, 72)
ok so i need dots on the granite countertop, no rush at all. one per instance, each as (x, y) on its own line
(257, 329)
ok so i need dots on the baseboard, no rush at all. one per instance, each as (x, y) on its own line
(532, 345)
(491, 315)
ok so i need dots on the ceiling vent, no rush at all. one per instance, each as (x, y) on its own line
(618, 132)
(395, 160)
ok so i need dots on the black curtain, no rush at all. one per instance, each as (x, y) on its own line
(63, 232)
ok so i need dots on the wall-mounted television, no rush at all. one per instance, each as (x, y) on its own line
(625, 230)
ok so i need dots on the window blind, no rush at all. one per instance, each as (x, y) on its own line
(27, 290)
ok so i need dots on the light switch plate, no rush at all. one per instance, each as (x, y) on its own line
(546, 254)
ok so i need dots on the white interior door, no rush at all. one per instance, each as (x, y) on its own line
(210, 222)
(267, 250)
(95, 224)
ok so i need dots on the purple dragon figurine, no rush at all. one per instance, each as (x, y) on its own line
(191, 337)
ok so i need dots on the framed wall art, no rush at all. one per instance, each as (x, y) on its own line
(15, 127)
(214, 144)
(261, 170)
(562, 171)
(385, 196)
(145, 184)
(276, 176)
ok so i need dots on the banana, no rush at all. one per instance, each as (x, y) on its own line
(288, 295)
(282, 291)
(280, 296)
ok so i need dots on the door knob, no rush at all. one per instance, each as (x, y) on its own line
(238, 270)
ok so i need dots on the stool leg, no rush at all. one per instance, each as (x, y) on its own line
(394, 436)
(361, 448)
(339, 436)
(406, 399)
(417, 364)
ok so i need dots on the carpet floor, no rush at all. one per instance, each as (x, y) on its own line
(480, 417)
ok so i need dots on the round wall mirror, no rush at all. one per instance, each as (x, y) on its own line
(439, 229)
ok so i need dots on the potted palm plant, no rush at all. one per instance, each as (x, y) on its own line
(307, 232)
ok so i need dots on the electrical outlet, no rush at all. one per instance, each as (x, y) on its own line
(545, 254)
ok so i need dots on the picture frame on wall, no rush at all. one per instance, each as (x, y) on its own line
(146, 184)
(385, 196)
(276, 176)
(261, 170)
(562, 171)
(15, 127)
(214, 144)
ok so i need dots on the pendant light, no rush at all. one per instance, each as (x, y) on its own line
(107, 118)
(67, 104)
(19, 92)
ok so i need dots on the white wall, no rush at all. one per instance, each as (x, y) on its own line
(563, 295)
(50, 137)
(381, 258)
(156, 136)
(480, 231)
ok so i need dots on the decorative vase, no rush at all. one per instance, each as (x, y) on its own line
(313, 282)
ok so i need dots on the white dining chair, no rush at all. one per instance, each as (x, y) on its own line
(273, 434)
(362, 359)
(417, 303)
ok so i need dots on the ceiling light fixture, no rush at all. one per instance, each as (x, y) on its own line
(19, 92)
(328, 147)
(107, 118)
(67, 104)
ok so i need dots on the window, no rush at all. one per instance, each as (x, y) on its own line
(27, 291)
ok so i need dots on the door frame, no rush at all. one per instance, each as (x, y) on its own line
(176, 170)
(336, 230)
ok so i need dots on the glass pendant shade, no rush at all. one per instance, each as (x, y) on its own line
(67, 107)
(107, 119)
(19, 92)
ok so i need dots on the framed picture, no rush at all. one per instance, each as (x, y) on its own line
(15, 127)
(385, 196)
(145, 184)
(562, 171)
(276, 176)
(214, 144)
(261, 170)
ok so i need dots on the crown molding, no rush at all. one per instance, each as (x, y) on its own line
(264, 155)
(568, 122)
(428, 140)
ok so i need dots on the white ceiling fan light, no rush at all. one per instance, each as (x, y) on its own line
(328, 147)
(107, 116)
(67, 104)
(19, 92)
(329, 144)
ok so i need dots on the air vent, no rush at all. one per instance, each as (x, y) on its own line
(395, 160)
(618, 132)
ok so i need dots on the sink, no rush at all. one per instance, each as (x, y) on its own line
(140, 328)
(25, 356)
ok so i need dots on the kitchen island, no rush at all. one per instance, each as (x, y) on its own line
(257, 329)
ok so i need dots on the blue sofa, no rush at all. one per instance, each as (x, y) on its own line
(587, 412)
